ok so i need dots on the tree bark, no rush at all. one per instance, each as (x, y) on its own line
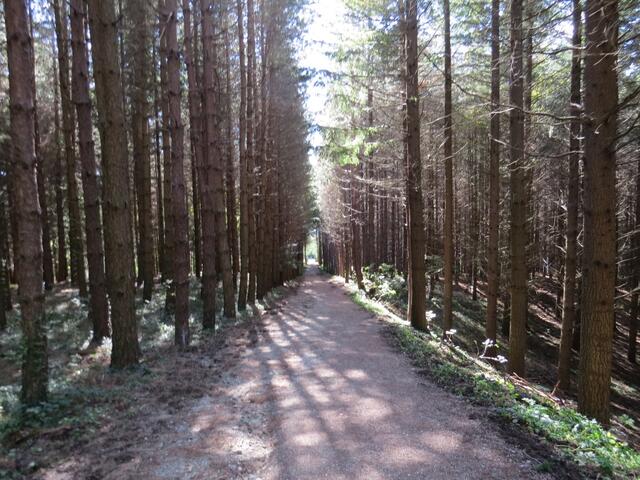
(117, 218)
(573, 199)
(169, 230)
(68, 130)
(251, 148)
(178, 191)
(635, 276)
(62, 269)
(230, 178)
(98, 306)
(242, 146)
(213, 159)
(599, 200)
(195, 128)
(416, 311)
(20, 58)
(139, 44)
(493, 265)
(518, 247)
(447, 317)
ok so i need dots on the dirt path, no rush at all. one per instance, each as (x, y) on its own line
(316, 392)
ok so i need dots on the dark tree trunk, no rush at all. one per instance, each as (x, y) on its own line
(447, 317)
(213, 157)
(169, 230)
(416, 311)
(178, 191)
(117, 218)
(68, 129)
(518, 248)
(28, 242)
(98, 307)
(62, 269)
(493, 265)
(599, 200)
(139, 44)
(573, 194)
(242, 143)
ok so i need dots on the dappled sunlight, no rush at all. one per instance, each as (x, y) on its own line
(343, 394)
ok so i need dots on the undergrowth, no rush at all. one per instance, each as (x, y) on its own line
(575, 437)
(83, 390)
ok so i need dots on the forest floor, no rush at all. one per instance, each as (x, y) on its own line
(309, 387)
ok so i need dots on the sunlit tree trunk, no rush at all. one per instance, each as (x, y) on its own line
(599, 200)
(416, 311)
(518, 247)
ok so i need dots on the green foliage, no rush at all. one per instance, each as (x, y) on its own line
(72, 407)
(384, 283)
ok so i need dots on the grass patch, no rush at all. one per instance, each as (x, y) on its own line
(576, 438)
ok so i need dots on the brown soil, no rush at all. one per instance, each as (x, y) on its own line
(311, 390)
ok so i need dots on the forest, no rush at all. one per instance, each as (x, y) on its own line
(242, 238)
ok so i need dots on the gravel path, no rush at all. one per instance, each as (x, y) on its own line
(348, 407)
(314, 391)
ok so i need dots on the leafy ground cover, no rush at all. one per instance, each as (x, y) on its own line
(88, 400)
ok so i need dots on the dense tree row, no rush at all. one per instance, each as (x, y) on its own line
(494, 145)
(198, 167)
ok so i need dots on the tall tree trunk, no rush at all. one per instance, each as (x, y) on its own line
(62, 269)
(98, 306)
(242, 145)
(20, 58)
(518, 332)
(169, 230)
(5, 294)
(139, 44)
(447, 318)
(47, 257)
(355, 216)
(635, 276)
(599, 255)
(573, 198)
(213, 158)
(416, 311)
(68, 129)
(209, 277)
(178, 192)
(369, 250)
(230, 178)
(115, 161)
(251, 149)
(195, 129)
(159, 196)
(493, 265)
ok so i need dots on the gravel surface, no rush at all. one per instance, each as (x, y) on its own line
(348, 407)
(314, 391)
